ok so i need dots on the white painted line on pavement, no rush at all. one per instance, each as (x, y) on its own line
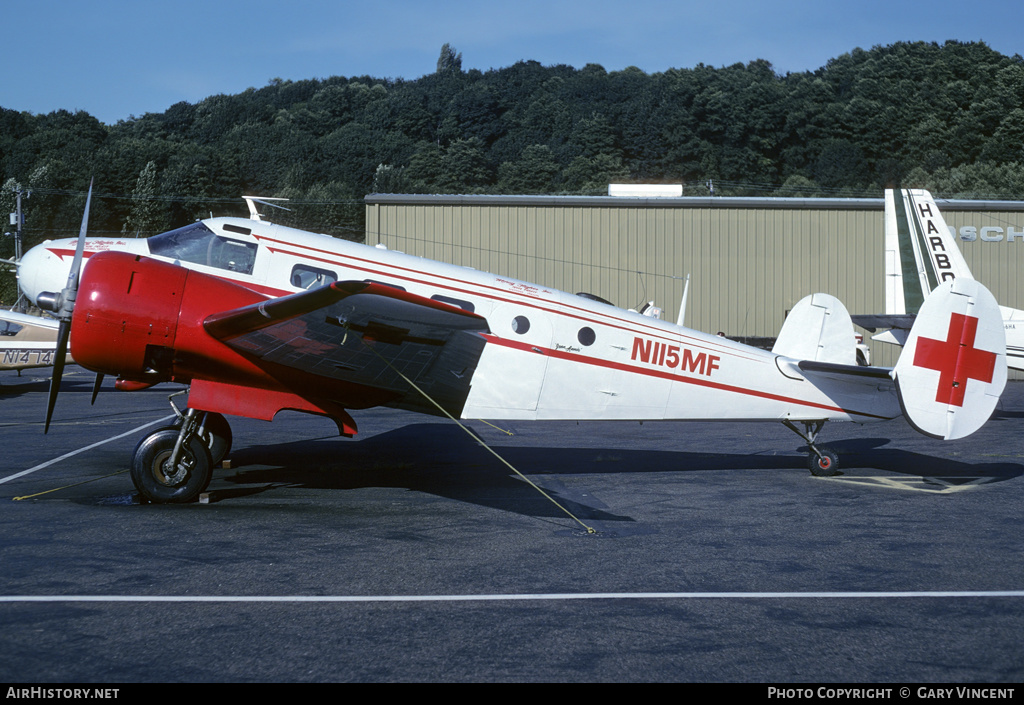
(82, 450)
(516, 597)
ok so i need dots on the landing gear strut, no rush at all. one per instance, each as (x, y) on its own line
(822, 462)
(215, 432)
(174, 464)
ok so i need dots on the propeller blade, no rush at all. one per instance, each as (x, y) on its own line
(96, 387)
(67, 307)
(76, 264)
(63, 332)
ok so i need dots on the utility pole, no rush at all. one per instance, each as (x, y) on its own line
(18, 220)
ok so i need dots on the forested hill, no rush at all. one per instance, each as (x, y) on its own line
(948, 117)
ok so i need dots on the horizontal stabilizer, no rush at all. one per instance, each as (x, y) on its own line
(831, 368)
(819, 329)
(873, 322)
(893, 336)
(953, 367)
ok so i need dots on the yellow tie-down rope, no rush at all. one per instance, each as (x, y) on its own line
(590, 530)
(74, 484)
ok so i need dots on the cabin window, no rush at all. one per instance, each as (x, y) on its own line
(306, 277)
(586, 336)
(198, 244)
(520, 325)
(232, 255)
(459, 303)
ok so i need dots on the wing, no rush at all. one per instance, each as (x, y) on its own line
(24, 319)
(368, 336)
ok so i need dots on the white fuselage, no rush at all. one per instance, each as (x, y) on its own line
(26, 341)
(550, 354)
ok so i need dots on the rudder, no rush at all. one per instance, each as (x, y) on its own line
(920, 250)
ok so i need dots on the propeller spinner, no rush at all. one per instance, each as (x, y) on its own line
(62, 305)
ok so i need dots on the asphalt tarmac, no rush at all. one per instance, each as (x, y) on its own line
(411, 553)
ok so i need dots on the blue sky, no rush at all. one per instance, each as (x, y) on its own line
(116, 58)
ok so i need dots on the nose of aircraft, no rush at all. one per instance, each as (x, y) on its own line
(45, 268)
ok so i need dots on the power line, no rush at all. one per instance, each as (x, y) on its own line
(186, 199)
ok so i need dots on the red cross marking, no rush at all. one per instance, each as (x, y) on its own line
(956, 359)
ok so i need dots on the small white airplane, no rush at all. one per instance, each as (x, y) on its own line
(921, 253)
(259, 318)
(26, 341)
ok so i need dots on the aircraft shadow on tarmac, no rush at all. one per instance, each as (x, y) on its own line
(11, 386)
(1007, 414)
(440, 459)
(75, 381)
(436, 459)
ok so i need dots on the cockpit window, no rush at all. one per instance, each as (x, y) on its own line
(9, 328)
(198, 244)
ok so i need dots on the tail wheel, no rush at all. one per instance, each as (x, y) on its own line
(162, 483)
(825, 466)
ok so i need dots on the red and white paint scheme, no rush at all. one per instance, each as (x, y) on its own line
(258, 318)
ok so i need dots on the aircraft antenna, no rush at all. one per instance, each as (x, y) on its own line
(682, 306)
(251, 201)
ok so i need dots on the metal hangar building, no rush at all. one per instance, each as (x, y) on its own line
(749, 259)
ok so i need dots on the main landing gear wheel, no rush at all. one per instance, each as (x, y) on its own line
(216, 434)
(825, 466)
(162, 483)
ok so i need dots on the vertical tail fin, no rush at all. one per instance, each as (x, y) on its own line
(819, 329)
(953, 367)
(920, 250)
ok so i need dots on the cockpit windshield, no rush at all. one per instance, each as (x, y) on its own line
(9, 328)
(198, 244)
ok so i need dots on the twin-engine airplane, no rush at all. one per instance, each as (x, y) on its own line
(921, 253)
(258, 318)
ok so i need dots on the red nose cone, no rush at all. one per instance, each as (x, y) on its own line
(126, 315)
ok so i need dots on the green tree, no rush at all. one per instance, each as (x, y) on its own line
(390, 179)
(464, 167)
(840, 163)
(1007, 141)
(591, 175)
(146, 216)
(534, 172)
(450, 61)
(424, 168)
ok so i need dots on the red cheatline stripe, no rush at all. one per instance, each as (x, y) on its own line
(661, 374)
